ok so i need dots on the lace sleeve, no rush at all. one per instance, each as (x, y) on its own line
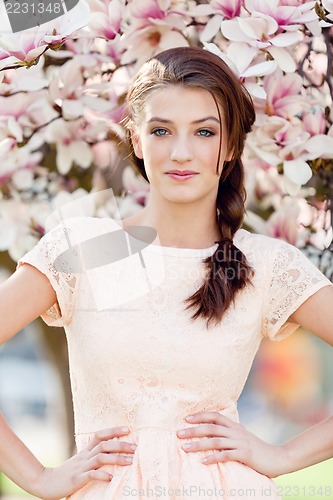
(43, 257)
(292, 279)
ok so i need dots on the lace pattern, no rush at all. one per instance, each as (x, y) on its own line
(65, 284)
(293, 279)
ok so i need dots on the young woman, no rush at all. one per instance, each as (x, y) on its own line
(156, 374)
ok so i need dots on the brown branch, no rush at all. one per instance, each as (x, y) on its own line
(329, 70)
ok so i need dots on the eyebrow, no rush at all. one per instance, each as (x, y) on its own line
(201, 120)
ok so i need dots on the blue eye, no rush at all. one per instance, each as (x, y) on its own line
(205, 132)
(159, 132)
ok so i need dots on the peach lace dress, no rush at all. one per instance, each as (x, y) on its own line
(137, 359)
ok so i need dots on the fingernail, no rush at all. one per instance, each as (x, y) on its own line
(190, 417)
(181, 433)
(133, 447)
(124, 429)
(129, 460)
(204, 460)
(186, 446)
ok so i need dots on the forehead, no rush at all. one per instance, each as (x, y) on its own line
(176, 102)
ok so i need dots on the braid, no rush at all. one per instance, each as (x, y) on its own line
(228, 271)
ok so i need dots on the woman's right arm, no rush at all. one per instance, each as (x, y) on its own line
(23, 297)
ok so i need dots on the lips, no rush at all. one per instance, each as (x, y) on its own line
(181, 172)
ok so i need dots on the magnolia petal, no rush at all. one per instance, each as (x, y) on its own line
(297, 171)
(211, 47)
(71, 108)
(256, 27)
(291, 187)
(286, 39)
(35, 53)
(283, 58)
(242, 54)
(211, 28)
(320, 146)
(7, 234)
(97, 103)
(172, 39)
(27, 83)
(261, 69)
(231, 30)
(261, 5)
(266, 156)
(255, 222)
(63, 159)
(255, 90)
(314, 27)
(15, 129)
(81, 153)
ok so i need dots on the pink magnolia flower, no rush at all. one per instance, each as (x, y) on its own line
(286, 222)
(17, 163)
(22, 48)
(16, 234)
(105, 154)
(220, 9)
(261, 31)
(289, 17)
(106, 18)
(58, 30)
(283, 142)
(142, 43)
(136, 186)
(70, 144)
(148, 9)
(314, 121)
(239, 57)
(156, 9)
(21, 80)
(284, 96)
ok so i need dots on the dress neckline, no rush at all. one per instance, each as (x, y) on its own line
(177, 251)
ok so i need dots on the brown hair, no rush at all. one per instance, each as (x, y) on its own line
(227, 269)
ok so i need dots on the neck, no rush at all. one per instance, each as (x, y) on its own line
(182, 225)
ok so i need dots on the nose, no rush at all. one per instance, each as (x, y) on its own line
(181, 150)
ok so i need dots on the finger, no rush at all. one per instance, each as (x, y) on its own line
(106, 434)
(205, 430)
(223, 456)
(213, 417)
(114, 446)
(211, 444)
(108, 459)
(96, 475)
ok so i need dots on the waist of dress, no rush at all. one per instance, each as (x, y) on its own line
(152, 422)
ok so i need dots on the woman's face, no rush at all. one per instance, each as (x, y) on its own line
(180, 131)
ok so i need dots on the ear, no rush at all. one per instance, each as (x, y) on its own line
(136, 144)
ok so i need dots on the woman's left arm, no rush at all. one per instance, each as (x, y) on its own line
(316, 314)
(316, 443)
(231, 441)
